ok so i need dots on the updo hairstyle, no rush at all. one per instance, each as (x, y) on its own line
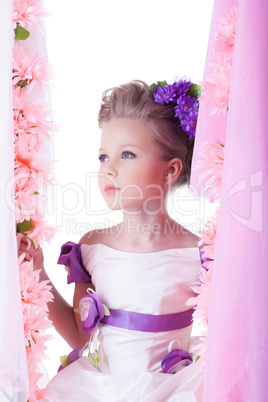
(133, 100)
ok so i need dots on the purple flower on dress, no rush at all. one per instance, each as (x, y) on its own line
(91, 312)
(175, 361)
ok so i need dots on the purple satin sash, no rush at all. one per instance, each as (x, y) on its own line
(148, 322)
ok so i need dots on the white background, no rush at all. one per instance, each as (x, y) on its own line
(94, 45)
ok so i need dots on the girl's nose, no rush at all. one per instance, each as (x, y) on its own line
(111, 171)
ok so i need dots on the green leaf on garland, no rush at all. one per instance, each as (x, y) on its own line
(36, 192)
(194, 91)
(22, 83)
(21, 33)
(25, 226)
(158, 84)
(31, 240)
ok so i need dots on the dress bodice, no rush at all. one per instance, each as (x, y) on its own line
(154, 284)
(151, 283)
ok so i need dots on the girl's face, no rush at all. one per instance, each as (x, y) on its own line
(131, 162)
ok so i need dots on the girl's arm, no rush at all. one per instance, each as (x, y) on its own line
(60, 312)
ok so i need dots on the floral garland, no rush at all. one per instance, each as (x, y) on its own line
(32, 129)
(215, 96)
(184, 94)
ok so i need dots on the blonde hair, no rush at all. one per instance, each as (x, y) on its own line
(133, 100)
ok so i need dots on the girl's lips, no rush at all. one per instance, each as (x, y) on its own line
(110, 189)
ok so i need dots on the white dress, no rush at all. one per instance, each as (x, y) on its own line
(155, 283)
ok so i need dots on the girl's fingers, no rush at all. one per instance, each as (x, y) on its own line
(22, 241)
(32, 252)
(27, 255)
(24, 245)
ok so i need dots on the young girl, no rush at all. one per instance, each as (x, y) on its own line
(132, 280)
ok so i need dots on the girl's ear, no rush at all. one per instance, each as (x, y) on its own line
(173, 170)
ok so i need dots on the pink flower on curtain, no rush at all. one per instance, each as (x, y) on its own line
(215, 90)
(208, 238)
(30, 69)
(225, 37)
(28, 12)
(201, 302)
(210, 165)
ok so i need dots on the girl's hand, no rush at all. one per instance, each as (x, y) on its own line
(38, 261)
(30, 253)
(25, 246)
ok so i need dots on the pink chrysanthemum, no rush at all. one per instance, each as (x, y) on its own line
(28, 12)
(215, 91)
(28, 154)
(225, 37)
(34, 295)
(28, 68)
(41, 232)
(25, 196)
(202, 300)
(33, 292)
(29, 117)
(208, 238)
(210, 165)
(34, 354)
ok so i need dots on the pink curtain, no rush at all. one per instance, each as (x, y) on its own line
(13, 367)
(237, 364)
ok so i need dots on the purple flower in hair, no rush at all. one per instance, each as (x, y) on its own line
(181, 87)
(189, 127)
(185, 104)
(164, 94)
(187, 112)
(183, 93)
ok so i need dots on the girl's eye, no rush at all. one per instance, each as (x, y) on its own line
(128, 153)
(101, 157)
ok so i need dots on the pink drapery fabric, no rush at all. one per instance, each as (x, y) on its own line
(210, 128)
(13, 366)
(237, 345)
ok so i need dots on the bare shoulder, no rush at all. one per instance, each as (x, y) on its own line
(90, 237)
(96, 236)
